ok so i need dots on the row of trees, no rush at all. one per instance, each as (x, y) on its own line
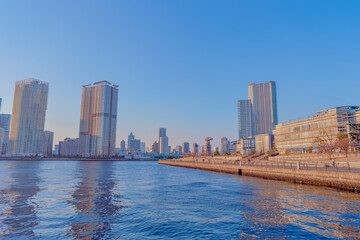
(329, 145)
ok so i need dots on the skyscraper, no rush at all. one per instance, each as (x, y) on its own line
(264, 106)
(162, 133)
(98, 119)
(122, 146)
(164, 145)
(195, 148)
(28, 117)
(5, 124)
(48, 143)
(245, 119)
(179, 149)
(186, 147)
(137, 146)
(130, 143)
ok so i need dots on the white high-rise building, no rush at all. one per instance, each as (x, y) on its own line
(97, 135)
(164, 145)
(264, 106)
(245, 119)
(162, 133)
(28, 117)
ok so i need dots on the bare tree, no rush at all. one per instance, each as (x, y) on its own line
(343, 143)
(326, 145)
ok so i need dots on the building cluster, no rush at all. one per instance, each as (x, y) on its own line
(257, 117)
(22, 133)
(259, 130)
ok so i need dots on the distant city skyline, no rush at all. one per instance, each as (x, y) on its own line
(188, 72)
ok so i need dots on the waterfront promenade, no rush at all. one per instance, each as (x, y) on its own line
(341, 175)
(73, 159)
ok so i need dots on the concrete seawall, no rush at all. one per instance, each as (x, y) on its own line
(341, 180)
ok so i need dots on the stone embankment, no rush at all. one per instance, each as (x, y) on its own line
(345, 180)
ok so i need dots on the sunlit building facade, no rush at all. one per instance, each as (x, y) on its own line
(28, 117)
(264, 107)
(164, 145)
(162, 133)
(263, 143)
(300, 135)
(97, 135)
(225, 145)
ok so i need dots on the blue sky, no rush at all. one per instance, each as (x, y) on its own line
(181, 64)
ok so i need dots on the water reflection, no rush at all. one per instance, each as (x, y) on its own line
(18, 211)
(322, 212)
(94, 200)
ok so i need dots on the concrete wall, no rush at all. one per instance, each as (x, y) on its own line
(341, 180)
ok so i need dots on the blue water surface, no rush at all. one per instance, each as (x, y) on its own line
(145, 200)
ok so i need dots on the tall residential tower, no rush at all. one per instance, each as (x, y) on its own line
(264, 106)
(28, 117)
(98, 119)
(245, 119)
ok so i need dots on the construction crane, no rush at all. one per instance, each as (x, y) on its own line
(208, 145)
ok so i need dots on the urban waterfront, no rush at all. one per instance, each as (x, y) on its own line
(145, 200)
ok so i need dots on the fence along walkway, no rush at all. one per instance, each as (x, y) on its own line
(321, 166)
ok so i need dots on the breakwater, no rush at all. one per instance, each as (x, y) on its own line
(335, 179)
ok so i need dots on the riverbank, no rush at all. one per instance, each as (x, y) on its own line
(72, 159)
(344, 180)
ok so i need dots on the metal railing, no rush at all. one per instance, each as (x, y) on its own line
(320, 166)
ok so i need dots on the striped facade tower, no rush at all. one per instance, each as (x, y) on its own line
(28, 117)
(264, 106)
(245, 119)
(97, 134)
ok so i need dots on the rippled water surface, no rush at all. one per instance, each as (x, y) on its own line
(144, 200)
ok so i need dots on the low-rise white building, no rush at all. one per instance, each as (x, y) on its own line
(300, 135)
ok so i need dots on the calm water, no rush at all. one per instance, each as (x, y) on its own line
(144, 200)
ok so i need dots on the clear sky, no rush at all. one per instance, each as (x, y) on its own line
(181, 64)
